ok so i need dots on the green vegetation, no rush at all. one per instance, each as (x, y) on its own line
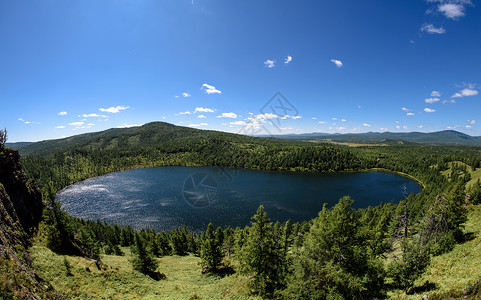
(343, 253)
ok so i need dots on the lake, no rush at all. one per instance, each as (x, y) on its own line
(163, 197)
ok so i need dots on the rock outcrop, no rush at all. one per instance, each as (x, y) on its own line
(20, 212)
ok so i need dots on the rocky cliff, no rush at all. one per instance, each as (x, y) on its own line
(20, 212)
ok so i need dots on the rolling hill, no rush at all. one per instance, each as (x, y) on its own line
(446, 137)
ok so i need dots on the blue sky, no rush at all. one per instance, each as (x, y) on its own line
(70, 67)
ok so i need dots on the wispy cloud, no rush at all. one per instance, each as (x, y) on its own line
(76, 124)
(228, 115)
(114, 110)
(238, 123)
(203, 109)
(24, 121)
(288, 59)
(198, 125)
(465, 93)
(410, 114)
(184, 113)
(338, 63)
(91, 115)
(201, 117)
(431, 29)
(270, 63)
(435, 94)
(405, 109)
(185, 95)
(210, 89)
(59, 127)
(431, 100)
(62, 113)
(429, 110)
(129, 125)
(367, 125)
(472, 122)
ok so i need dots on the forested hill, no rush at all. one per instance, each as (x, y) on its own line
(148, 135)
(446, 137)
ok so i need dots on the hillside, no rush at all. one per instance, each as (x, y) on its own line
(148, 135)
(20, 212)
(446, 137)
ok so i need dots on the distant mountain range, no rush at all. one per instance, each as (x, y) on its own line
(161, 132)
(446, 137)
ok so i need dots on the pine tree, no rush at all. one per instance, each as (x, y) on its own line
(143, 260)
(210, 251)
(261, 258)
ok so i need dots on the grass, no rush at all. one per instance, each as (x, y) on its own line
(475, 174)
(117, 280)
(451, 272)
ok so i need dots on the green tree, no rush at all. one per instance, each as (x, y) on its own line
(143, 260)
(260, 257)
(334, 263)
(3, 138)
(210, 251)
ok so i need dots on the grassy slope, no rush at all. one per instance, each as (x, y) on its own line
(119, 281)
(475, 174)
(456, 270)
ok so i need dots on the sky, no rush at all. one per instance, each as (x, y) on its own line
(249, 67)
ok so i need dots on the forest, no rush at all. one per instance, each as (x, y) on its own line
(341, 254)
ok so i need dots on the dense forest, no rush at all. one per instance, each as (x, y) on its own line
(341, 254)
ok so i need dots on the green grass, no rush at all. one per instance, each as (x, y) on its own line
(117, 280)
(456, 270)
(475, 174)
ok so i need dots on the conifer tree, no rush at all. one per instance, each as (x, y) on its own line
(210, 251)
(143, 260)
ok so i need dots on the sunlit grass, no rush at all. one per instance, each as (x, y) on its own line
(117, 280)
(457, 269)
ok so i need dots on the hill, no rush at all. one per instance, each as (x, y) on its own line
(446, 137)
(148, 135)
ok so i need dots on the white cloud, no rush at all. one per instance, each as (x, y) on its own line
(114, 110)
(410, 114)
(203, 109)
(184, 113)
(76, 124)
(314, 118)
(197, 125)
(465, 93)
(343, 120)
(270, 63)
(405, 109)
(338, 63)
(322, 122)
(296, 117)
(451, 10)
(435, 94)
(431, 29)
(185, 95)
(405, 127)
(228, 115)
(288, 59)
(367, 125)
(398, 127)
(420, 126)
(383, 129)
(472, 122)
(201, 117)
(468, 126)
(62, 113)
(210, 89)
(238, 123)
(268, 116)
(431, 100)
(59, 127)
(90, 115)
(449, 101)
(429, 110)
(129, 125)
(335, 119)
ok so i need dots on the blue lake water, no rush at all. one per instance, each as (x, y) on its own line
(161, 198)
